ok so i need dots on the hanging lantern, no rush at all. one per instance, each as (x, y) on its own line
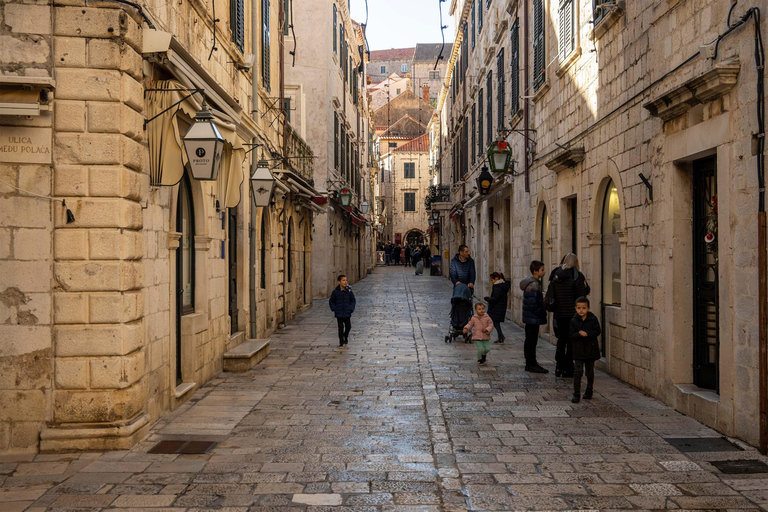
(262, 185)
(484, 181)
(431, 222)
(203, 145)
(364, 207)
(435, 214)
(345, 197)
(500, 156)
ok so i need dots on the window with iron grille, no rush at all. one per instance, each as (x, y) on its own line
(500, 94)
(409, 201)
(566, 40)
(480, 121)
(539, 71)
(473, 116)
(265, 45)
(489, 106)
(335, 35)
(472, 23)
(336, 141)
(409, 170)
(514, 59)
(237, 23)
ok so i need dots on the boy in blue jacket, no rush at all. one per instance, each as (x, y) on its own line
(534, 315)
(342, 304)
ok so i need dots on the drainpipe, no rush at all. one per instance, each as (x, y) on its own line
(281, 24)
(254, 160)
(526, 88)
(763, 335)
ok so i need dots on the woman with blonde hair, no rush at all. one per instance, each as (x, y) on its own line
(568, 284)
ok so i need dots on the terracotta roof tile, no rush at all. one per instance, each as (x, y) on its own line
(417, 145)
(393, 54)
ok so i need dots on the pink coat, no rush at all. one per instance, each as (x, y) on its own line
(481, 327)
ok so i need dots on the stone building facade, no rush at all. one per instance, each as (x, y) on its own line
(335, 118)
(640, 157)
(123, 279)
(383, 63)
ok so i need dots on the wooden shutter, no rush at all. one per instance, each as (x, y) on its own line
(480, 121)
(489, 106)
(265, 45)
(237, 23)
(565, 15)
(474, 134)
(341, 46)
(538, 44)
(472, 22)
(335, 34)
(479, 16)
(501, 85)
(514, 59)
(336, 141)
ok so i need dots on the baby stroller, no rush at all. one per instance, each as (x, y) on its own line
(461, 312)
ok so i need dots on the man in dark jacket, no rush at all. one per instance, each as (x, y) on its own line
(342, 303)
(388, 253)
(463, 268)
(407, 255)
(534, 315)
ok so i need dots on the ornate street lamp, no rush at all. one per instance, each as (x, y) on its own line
(262, 185)
(203, 145)
(364, 207)
(345, 197)
(431, 221)
(500, 157)
(436, 215)
(484, 181)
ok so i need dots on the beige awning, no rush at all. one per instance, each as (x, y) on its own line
(167, 158)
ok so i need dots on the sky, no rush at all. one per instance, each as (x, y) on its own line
(402, 23)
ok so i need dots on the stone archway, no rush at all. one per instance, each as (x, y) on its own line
(415, 237)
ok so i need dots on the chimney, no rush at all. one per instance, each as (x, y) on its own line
(425, 93)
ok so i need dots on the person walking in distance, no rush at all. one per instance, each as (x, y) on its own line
(407, 255)
(463, 268)
(584, 330)
(568, 284)
(497, 303)
(388, 253)
(342, 303)
(481, 326)
(534, 315)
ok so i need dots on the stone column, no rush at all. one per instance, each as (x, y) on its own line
(99, 162)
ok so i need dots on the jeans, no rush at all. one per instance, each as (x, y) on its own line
(564, 351)
(497, 326)
(345, 325)
(578, 371)
(387, 258)
(483, 347)
(529, 347)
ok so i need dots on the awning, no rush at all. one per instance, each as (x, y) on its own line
(167, 158)
(319, 199)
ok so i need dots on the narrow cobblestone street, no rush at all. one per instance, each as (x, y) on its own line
(399, 420)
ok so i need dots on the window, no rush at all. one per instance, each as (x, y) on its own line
(480, 121)
(336, 141)
(472, 23)
(287, 16)
(342, 56)
(237, 23)
(335, 35)
(397, 92)
(185, 224)
(409, 201)
(383, 69)
(434, 75)
(479, 16)
(393, 144)
(539, 71)
(500, 85)
(474, 134)
(343, 150)
(410, 170)
(287, 109)
(263, 252)
(487, 3)
(489, 106)
(566, 42)
(265, 45)
(600, 8)
(611, 254)
(404, 68)
(514, 61)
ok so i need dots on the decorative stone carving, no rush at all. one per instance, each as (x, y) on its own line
(566, 159)
(713, 84)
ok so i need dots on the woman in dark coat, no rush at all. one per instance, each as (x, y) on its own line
(569, 284)
(497, 303)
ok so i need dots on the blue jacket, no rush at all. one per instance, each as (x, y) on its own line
(462, 271)
(342, 302)
(533, 302)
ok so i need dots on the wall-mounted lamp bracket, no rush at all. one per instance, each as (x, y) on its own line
(647, 185)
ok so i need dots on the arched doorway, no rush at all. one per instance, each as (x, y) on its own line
(610, 258)
(185, 262)
(414, 237)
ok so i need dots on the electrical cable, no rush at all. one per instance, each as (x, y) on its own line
(293, 32)
(365, 32)
(70, 215)
(215, 20)
(138, 9)
(442, 32)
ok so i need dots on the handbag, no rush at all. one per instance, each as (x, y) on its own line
(549, 298)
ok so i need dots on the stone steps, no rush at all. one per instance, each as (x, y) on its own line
(246, 355)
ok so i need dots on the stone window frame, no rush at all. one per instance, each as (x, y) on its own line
(567, 60)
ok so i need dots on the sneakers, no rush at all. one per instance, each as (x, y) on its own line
(587, 394)
(500, 341)
(576, 398)
(535, 368)
(481, 360)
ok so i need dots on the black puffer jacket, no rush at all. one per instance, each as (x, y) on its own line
(497, 302)
(585, 348)
(569, 285)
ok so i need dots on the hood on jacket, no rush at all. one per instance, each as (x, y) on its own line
(525, 283)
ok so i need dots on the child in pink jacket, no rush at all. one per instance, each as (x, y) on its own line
(481, 326)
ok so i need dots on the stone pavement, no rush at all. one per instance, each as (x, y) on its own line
(397, 421)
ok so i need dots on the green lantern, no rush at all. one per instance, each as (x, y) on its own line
(500, 156)
(345, 197)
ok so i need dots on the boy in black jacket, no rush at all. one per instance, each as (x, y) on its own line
(342, 303)
(584, 330)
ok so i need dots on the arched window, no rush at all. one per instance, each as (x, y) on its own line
(185, 224)
(263, 254)
(289, 263)
(611, 247)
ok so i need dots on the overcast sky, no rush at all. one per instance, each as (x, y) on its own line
(402, 23)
